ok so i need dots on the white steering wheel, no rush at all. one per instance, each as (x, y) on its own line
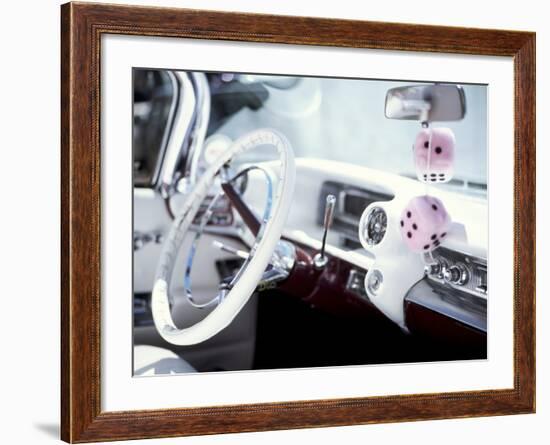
(243, 286)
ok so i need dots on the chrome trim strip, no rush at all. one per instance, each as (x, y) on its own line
(463, 307)
(180, 134)
(198, 135)
(201, 227)
(169, 125)
(471, 263)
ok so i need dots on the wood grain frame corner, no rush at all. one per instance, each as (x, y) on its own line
(82, 26)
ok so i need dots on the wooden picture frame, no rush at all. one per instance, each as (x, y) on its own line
(82, 26)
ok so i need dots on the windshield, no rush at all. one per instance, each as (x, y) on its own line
(343, 120)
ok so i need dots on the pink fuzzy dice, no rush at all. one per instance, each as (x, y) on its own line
(435, 163)
(424, 223)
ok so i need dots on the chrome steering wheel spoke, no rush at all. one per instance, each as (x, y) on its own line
(248, 216)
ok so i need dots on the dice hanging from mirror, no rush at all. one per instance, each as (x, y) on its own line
(424, 223)
(434, 154)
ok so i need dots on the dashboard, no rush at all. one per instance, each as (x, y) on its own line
(384, 273)
(369, 275)
(457, 281)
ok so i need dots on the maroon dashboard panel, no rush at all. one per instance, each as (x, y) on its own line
(330, 289)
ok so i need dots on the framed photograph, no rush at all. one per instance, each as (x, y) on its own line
(274, 222)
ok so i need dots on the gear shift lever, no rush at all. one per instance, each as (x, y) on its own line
(320, 260)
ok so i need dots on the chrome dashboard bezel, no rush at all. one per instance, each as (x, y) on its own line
(364, 226)
(466, 260)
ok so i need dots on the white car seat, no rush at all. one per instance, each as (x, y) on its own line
(152, 360)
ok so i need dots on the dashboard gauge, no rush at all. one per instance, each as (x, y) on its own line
(373, 226)
(214, 146)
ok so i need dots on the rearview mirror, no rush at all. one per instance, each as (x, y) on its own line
(426, 103)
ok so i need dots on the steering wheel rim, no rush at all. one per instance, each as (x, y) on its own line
(260, 253)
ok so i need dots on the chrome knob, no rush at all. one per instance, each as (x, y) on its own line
(452, 274)
(375, 281)
(435, 269)
(456, 275)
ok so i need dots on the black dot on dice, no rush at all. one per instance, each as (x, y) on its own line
(402, 223)
(415, 226)
(442, 175)
(434, 207)
(433, 174)
(408, 214)
(443, 234)
(426, 247)
(434, 179)
(426, 144)
(438, 150)
(434, 236)
(436, 243)
(409, 235)
(425, 176)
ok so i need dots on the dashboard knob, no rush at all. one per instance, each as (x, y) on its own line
(435, 269)
(456, 275)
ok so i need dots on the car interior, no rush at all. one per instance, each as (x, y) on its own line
(269, 222)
